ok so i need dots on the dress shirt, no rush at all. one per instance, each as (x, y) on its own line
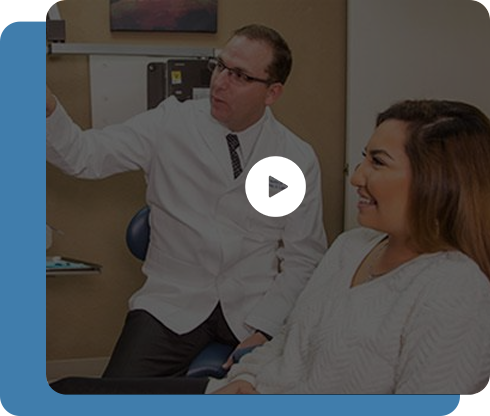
(247, 139)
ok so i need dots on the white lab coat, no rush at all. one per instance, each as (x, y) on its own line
(208, 244)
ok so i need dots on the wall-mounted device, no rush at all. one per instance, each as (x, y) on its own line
(184, 78)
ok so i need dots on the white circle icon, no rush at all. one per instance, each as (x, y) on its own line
(275, 186)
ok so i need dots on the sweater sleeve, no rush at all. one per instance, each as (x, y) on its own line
(445, 344)
(251, 364)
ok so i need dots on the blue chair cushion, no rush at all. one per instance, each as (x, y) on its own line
(138, 233)
(209, 361)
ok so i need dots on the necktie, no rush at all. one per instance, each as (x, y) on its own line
(233, 144)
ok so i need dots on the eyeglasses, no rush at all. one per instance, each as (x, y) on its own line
(236, 75)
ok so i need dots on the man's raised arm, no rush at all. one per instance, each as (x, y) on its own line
(50, 102)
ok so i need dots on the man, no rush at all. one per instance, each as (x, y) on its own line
(216, 268)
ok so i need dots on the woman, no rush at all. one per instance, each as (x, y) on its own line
(405, 306)
(401, 305)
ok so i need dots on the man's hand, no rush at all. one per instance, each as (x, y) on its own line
(252, 341)
(237, 387)
(50, 102)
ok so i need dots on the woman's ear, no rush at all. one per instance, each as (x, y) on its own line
(273, 93)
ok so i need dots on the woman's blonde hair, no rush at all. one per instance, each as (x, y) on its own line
(448, 147)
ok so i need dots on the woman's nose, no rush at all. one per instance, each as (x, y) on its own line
(357, 178)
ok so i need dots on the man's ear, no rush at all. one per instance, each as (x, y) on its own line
(273, 93)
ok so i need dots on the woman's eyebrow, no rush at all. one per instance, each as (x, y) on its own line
(376, 152)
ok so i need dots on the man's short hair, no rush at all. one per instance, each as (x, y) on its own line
(282, 60)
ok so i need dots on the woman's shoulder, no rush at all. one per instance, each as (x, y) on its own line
(457, 269)
(453, 279)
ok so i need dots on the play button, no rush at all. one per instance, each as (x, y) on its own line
(275, 186)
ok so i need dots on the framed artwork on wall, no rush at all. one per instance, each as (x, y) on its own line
(164, 15)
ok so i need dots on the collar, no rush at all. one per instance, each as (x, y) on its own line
(248, 137)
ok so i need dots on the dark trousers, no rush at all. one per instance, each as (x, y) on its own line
(181, 385)
(147, 348)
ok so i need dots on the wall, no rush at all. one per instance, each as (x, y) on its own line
(411, 50)
(85, 314)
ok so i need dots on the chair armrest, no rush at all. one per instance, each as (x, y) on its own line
(209, 362)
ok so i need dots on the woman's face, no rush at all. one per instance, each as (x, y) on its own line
(383, 180)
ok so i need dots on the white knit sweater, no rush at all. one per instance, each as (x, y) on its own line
(423, 328)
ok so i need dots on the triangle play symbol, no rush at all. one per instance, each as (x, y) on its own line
(275, 186)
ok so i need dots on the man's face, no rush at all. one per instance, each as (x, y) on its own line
(238, 104)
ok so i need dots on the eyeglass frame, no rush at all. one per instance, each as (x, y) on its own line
(216, 63)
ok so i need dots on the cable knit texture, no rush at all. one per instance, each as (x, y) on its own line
(423, 328)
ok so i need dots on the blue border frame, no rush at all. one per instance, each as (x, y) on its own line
(23, 386)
